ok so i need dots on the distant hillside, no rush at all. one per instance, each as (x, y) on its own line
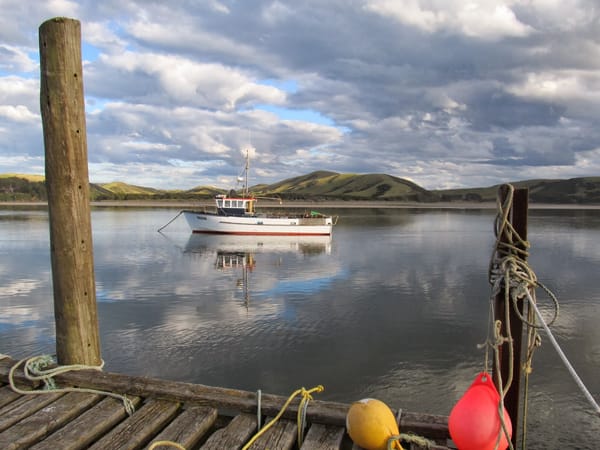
(17, 187)
(321, 185)
(573, 191)
(334, 186)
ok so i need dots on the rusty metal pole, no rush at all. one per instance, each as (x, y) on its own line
(67, 183)
(518, 219)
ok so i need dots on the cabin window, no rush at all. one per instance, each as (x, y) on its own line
(227, 203)
(220, 203)
(238, 203)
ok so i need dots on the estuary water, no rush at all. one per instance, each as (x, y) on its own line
(393, 306)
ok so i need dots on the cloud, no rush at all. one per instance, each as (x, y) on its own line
(488, 20)
(444, 93)
(15, 59)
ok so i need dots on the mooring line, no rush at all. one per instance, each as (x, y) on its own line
(563, 357)
(170, 222)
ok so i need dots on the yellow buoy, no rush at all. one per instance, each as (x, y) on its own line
(370, 424)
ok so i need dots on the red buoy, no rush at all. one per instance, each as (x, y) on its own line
(474, 421)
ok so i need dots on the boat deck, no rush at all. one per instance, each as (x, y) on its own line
(192, 415)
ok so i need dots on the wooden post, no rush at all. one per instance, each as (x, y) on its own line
(518, 219)
(67, 183)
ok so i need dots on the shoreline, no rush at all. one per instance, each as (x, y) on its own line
(298, 204)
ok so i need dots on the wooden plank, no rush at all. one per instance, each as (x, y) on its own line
(7, 395)
(431, 426)
(88, 427)
(281, 436)
(138, 429)
(24, 407)
(188, 428)
(239, 431)
(323, 437)
(18, 378)
(35, 427)
(323, 412)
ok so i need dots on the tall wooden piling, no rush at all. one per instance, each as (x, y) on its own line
(67, 183)
(518, 219)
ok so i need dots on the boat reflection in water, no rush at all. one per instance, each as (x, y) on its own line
(200, 243)
(271, 264)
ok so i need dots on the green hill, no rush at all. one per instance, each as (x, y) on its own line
(21, 188)
(119, 187)
(322, 185)
(572, 191)
(334, 186)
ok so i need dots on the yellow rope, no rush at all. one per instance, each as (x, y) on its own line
(305, 398)
(166, 444)
(34, 371)
(411, 439)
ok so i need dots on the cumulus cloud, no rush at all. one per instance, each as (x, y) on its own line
(446, 93)
(480, 19)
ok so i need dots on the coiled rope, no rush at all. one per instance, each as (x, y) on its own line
(510, 272)
(35, 370)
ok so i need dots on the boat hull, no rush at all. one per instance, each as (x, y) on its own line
(202, 222)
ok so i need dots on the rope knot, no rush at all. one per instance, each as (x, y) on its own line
(302, 407)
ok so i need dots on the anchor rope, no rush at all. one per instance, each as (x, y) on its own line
(34, 369)
(170, 222)
(306, 397)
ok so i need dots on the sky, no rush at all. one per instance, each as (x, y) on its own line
(445, 93)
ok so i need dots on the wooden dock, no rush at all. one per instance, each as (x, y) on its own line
(192, 415)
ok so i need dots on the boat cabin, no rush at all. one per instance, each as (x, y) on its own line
(230, 206)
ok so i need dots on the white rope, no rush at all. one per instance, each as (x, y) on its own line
(33, 370)
(563, 357)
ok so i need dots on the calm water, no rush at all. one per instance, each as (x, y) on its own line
(393, 306)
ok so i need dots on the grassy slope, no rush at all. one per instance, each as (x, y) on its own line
(574, 190)
(28, 177)
(332, 185)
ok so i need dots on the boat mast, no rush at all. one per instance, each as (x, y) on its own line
(246, 173)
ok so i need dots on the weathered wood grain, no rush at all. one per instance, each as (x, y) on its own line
(188, 428)
(18, 378)
(140, 428)
(7, 395)
(432, 426)
(24, 407)
(40, 424)
(281, 436)
(323, 437)
(234, 435)
(67, 184)
(88, 427)
(323, 412)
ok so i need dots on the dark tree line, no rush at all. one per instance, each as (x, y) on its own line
(20, 189)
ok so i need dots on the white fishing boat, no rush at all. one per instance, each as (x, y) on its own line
(238, 215)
